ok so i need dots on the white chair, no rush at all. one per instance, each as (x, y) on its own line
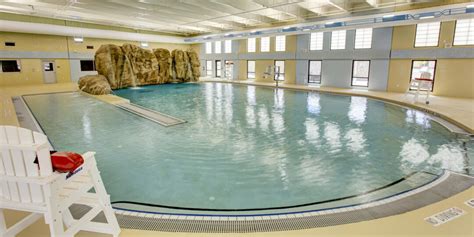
(29, 187)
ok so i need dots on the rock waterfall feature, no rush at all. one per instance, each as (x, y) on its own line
(129, 66)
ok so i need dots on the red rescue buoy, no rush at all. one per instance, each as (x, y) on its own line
(65, 161)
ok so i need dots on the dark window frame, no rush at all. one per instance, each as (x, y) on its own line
(17, 68)
(284, 65)
(371, 40)
(321, 72)
(454, 35)
(439, 36)
(254, 73)
(82, 66)
(352, 73)
(434, 73)
(216, 70)
(207, 69)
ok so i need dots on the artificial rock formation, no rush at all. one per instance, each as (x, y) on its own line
(95, 85)
(130, 65)
(143, 63)
(195, 64)
(164, 58)
(180, 64)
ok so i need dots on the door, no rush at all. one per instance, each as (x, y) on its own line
(229, 70)
(49, 71)
(218, 68)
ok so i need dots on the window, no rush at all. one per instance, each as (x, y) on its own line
(251, 45)
(338, 39)
(209, 68)
(10, 65)
(427, 34)
(280, 43)
(314, 75)
(217, 47)
(363, 38)
(218, 68)
(423, 69)
(250, 69)
(228, 46)
(265, 44)
(360, 73)
(464, 33)
(87, 65)
(208, 47)
(316, 41)
(279, 70)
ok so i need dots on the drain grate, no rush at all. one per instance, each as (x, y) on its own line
(446, 186)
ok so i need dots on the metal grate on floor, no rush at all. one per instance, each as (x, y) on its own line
(447, 185)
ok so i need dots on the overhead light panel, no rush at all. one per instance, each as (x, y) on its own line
(426, 17)
(78, 39)
(394, 18)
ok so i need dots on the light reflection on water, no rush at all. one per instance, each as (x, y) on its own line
(247, 146)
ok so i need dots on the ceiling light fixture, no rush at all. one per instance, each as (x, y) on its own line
(144, 44)
(388, 16)
(78, 39)
(426, 17)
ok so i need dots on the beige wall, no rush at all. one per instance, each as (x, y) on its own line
(242, 69)
(453, 77)
(31, 71)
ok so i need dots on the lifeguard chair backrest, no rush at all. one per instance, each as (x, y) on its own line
(19, 148)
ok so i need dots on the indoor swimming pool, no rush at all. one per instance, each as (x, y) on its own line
(250, 149)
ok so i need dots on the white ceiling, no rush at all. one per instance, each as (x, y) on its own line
(187, 17)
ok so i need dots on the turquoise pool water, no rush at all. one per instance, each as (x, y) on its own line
(247, 147)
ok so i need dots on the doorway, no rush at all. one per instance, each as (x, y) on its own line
(49, 71)
(229, 69)
(218, 68)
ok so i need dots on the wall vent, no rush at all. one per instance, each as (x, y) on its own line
(10, 44)
(90, 47)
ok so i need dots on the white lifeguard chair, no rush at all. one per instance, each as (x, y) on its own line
(273, 71)
(34, 187)
(423, 84)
